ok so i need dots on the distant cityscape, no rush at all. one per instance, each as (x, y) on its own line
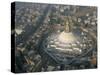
(35, 26)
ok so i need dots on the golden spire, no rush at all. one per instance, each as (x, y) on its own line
(67, 26)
